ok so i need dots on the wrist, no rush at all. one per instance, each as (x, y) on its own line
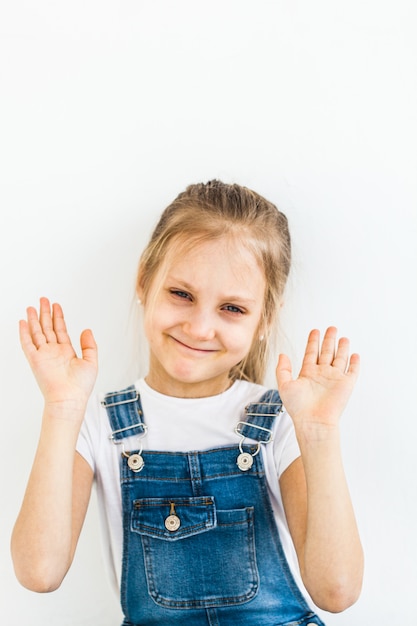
(317, 432)
(67, 410)
(60, 429)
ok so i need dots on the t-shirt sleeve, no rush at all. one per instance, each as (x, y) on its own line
(88, 435)
(286, 448)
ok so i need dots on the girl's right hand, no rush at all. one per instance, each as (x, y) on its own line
(64, 379)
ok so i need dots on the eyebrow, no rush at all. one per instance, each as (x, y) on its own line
(227, 298)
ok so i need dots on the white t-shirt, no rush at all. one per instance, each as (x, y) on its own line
(180, 425)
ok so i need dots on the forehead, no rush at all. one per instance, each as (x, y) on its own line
(224, 262)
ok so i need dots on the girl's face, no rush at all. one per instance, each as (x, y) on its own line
(202, 318)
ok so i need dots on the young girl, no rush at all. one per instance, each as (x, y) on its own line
(218, 505)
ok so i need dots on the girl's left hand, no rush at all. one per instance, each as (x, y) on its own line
(327, 377)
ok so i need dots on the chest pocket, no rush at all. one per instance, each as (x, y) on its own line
(195, 555)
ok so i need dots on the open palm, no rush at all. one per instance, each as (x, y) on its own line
(61, 375)
(325, 381)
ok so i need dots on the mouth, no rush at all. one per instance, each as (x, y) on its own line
(194, 349)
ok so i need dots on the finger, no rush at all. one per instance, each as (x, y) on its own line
(341, 357)
(59, 325)
(34, 327)
(354, 366)
(88, 346)
(283, 370)
(26, 341)
(311, 353)
(328, 347)
(45, 319)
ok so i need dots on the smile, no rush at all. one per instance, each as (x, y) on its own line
(193, 349)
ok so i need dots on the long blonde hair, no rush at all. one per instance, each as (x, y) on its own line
(213, 210)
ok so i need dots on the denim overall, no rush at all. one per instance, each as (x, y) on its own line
(200, 543)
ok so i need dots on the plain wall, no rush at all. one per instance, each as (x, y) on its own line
(108, 109)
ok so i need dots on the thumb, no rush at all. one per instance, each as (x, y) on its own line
(283, 370)
(88, 346)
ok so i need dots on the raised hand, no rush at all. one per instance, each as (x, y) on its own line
(62, 376)
(325, 382)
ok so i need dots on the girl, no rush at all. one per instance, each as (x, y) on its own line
(209, 490)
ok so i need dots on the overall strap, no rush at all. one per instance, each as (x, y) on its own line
(125, 414)
(124, 410)
(260, 416)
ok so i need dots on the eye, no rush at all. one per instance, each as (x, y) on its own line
(180, 294)
(233, 309)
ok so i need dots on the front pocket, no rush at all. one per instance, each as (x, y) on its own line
(207, 561)
(151, 517)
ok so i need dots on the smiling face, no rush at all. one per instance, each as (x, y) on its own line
(201, 316)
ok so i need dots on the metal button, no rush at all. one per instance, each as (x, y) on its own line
(135, 462)
(172, 523)
(244, 461)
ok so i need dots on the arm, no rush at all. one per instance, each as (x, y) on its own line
(56, 499)
(315, 494)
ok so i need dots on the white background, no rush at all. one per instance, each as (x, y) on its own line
(108, 109)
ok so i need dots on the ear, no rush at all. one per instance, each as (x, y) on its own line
(139, 285)
(139, 293)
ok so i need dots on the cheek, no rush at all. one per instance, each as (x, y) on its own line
(240, 338)
(158, 319)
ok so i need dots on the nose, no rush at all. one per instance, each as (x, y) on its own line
(200, 325)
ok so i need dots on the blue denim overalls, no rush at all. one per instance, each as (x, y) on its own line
(200, 543)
